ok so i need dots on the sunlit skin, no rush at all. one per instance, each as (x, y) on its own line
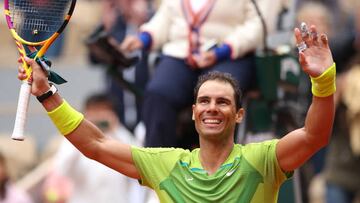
(102, 113)
(215, 118)
(215, 112)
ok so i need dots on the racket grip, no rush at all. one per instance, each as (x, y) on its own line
(21, 112)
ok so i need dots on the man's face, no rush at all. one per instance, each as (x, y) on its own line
(214, 111)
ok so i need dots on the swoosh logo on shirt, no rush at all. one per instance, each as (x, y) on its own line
(189, 178)
(230, 173)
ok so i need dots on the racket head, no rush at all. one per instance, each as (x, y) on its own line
(36, 22)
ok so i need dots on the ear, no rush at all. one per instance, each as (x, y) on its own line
(239, 115)
(193, 116)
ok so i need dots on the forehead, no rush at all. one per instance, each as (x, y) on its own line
(215, 88)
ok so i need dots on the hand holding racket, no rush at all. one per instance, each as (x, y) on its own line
(35, 23)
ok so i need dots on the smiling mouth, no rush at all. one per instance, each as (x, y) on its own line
(212, 121)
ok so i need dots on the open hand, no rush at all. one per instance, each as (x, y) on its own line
(315, 55)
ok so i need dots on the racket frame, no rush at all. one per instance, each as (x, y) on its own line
(25, 89)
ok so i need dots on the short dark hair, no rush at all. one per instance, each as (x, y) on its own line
(223, 77)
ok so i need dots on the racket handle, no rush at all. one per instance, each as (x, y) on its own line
(21, 112)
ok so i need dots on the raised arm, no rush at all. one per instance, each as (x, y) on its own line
(84, 135)
(316, 60)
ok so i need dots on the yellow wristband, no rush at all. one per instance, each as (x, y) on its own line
(325, 84)
(66, 118)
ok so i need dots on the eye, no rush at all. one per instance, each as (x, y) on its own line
(203, 101)
(223, 102)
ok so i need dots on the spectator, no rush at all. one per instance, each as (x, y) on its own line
(123, 83)
(195, 37)
(9, 193)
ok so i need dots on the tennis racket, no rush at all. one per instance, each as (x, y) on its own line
(34, 23)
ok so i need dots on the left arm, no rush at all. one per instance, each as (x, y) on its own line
(298, 146)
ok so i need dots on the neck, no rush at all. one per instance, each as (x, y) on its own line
(214, 154)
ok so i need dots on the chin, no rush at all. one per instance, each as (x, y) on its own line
(211, 133)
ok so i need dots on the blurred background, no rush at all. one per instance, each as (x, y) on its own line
(276, 105)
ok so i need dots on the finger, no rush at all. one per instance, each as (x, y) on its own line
(314, 35)
(204, 62)
(136, 44)
(32, 48)
(21, 60)
(301, 47)
(21, 70)
(32, 63)
(21, 76)
(301, 58)
(199, 61)
(297, 36)
(300, 44)
(128, 44)
(124, 46)
(305, 34)
(21, 73)
(29, 60)
(302, 61)
(210, 57)
(324, 40)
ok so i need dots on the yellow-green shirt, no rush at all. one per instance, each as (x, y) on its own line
(251, 174)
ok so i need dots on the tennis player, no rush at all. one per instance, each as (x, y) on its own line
(220, 170)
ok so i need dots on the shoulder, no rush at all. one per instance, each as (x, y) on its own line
(259, 149)
(159, 152)
(263, 144)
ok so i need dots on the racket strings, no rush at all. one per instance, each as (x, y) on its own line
(33, 17)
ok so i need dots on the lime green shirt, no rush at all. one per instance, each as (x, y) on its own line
(251, 174)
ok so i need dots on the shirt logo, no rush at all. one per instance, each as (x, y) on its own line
(230, 172)
(188, 178)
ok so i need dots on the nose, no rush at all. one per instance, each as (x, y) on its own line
(212, 106)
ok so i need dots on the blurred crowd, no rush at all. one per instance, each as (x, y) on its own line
(152, 53)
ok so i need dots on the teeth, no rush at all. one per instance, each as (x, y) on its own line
(212, 121)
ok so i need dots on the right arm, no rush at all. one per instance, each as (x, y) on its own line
(86, 137)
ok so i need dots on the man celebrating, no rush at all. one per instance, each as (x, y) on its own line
(220, 170)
